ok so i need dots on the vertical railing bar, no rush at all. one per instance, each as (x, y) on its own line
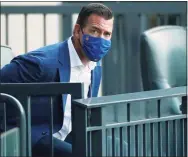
(166, 17)
(144, 140)
(88, 143)
(183, 138)
(44, 26)
(183, 20)
(184, 111)
(184, 105)
(136, 141)
(185, 133)
(7, 28)
(66, 25)
(158, 19)
(90, 138)
(123, 30)
(121, 141)
(175, 136)
(28, 130)
(143, 22)
(128, 112)
(159, 108)
(159, 127)
(51, 126)
(167, 138)
(5, 120)
(106, 142)
(5, 127)
(152, 139)
(113, 141)
(25, 34)
(159, 137)
(128, 128)
(89, 117)
(78, 93)
(129, 140)
(177, 19)
(184, 125)
(103, 132)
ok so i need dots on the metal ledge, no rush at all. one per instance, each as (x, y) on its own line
(131, 97)
(122, 7)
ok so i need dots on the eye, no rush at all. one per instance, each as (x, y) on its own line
(94, 31)
(107, 34)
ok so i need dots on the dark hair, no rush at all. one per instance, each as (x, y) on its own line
(93, 8)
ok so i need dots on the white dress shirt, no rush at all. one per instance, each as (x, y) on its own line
(78, 73)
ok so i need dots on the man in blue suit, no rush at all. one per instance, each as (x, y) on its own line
(77, 59)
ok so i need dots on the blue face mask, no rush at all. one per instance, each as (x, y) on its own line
(95, 48)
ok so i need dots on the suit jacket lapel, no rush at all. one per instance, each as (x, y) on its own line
(64, 67)
(95, 81)
(64, 72)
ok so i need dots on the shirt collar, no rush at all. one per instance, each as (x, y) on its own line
(74, 58)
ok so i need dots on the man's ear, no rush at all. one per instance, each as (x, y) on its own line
(76, 31)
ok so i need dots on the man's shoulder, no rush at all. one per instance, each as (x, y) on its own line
(47, 52)
(52, 48)
(41, 55)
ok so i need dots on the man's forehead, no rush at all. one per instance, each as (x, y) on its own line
(100, 22)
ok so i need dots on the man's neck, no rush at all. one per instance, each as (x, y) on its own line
(80, 53)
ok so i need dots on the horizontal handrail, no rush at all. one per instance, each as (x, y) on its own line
(122, 7)
(137, 122)
(41, 89)
(131, 97)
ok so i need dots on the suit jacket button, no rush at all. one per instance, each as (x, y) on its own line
(44, 133)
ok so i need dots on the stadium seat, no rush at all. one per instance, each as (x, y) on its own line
(6, 55)
(163, 61)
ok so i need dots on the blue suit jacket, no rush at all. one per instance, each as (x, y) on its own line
(47, 64)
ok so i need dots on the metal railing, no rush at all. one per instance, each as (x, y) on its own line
(20, 149)
(25, 92)
(118, 126)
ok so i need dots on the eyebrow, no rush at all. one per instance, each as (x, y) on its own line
(94, 27)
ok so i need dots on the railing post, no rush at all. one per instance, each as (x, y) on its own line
(5, 97)
(79, 134)
(79, 124)
(184, 111)
(66, 26)
(26, 102)
(98, 138)
(184, 105)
